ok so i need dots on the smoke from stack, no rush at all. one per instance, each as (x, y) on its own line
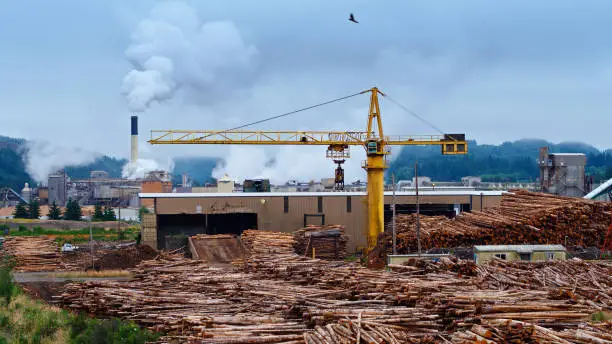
(134, 147)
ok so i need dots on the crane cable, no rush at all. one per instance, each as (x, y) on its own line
(410, 112)
(296, 111)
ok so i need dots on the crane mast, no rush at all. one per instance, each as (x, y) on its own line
(375, 143)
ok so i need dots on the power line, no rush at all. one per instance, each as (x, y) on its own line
(410, 112)
(296, 111)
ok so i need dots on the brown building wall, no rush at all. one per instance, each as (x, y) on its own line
(271, 215)
(154, 187)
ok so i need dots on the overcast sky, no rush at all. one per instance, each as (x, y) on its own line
(496, 70)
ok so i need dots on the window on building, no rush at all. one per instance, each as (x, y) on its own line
(550, 255)
(349, 204)
(500, 256)
(525, 256)
(320, 204)
(286, 204)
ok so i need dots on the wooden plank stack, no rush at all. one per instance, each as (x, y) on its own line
(329, 242)
(522, 218)
(34, 254)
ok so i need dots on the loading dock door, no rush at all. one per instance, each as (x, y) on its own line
(192, 224)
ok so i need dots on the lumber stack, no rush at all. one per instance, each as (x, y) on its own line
(265, 242)
(34, 253)
(522, 218)
(328, 242)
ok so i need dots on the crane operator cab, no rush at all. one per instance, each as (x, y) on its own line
(372, 146)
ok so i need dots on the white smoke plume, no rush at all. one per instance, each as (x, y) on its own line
(144, 166)
(174, 50)
(43, 158)
(288, 163)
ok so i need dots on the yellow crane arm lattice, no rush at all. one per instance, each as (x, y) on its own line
(453, 144)
(375, 143)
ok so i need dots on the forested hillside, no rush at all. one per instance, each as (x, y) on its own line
(510, 161)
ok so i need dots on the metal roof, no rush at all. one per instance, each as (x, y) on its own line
(568, 154)
(311, 194)
(518, 248)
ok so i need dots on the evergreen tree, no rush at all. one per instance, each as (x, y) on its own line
(34, 209)
(54, 212)
(98, 213)
(21, 211)
(109, 214)
(73, 211)
(143, 210)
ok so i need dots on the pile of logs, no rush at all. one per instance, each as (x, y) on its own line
(522, 218)
(33, 254)
(513, 331)
(328, 242)
(265, 242)
(289, 298)
(568, 278)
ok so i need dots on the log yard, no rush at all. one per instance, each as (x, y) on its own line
(281, 195)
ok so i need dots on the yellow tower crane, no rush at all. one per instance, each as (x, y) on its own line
(376, 144)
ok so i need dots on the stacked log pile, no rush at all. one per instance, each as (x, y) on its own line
(288, 298)
(34, 253)
(522, 218)
(266, 242)
(328, 242)
(570, 278)
(187, 298)
(513, 331)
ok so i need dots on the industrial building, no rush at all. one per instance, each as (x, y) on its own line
(563, 173)
(215, 213)
(531, 253)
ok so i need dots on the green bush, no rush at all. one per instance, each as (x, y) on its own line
(7, 285)
(22, 228)
(4, 321)
(3, 227)
(84, 330)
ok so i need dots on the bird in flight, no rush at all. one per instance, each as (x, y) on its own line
(352, 18)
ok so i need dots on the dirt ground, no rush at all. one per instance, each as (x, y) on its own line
(125, 258)
(43, 290)
(109, 257)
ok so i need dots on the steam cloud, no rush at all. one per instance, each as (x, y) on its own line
(143, 166)
(43, 158)
(288, 163)
(173, 50)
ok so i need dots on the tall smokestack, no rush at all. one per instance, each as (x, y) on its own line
(134, 151)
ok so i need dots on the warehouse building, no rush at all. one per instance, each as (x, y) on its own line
(217, 213)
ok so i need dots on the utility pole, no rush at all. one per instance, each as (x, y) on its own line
(418, 207)
(119, 211)
(393, 218)
(91, 244)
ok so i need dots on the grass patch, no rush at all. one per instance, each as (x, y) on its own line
(601, 316)
(94, 274)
